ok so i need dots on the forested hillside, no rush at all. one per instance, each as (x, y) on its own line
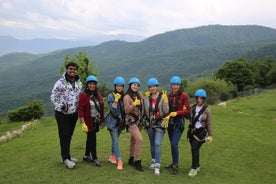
(189, 53)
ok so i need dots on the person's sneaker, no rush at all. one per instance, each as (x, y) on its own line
(157, 169)
(86, 159)
(174, 169)
(152, 164)
(198, 169)
(74, 160)
(120, 165)
(96, 163)
(69, 164)
(112, 159)
(192, 172)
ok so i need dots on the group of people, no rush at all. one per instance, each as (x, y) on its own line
(156, 112)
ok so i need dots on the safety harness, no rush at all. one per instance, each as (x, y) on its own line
(193, 120)
(153, 112)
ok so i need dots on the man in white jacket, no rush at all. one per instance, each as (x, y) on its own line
(65, 97)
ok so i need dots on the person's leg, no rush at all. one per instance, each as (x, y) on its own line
(72, 120)
(170, 134)
(137, 136)
(137, 141)
(174, 145)
(195, 147)
(64, 135)
(159, 134)
(115, 145)
(151, 134)
(94, 145)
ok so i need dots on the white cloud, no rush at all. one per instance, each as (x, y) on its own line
(83, 18)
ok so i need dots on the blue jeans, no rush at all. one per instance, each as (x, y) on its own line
(115, 133)
(175, 131)
(155, 137)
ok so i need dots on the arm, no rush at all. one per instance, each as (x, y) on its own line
(209, 122)
(128, 104)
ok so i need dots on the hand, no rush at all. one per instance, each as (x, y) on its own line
(117, 96)
(147, 94)
(84, 127)
(173, 114)
(165, 122)
(210, 139)
(164, 97)
(136, 102)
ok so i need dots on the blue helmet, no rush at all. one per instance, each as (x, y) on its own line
(134, 80)
(119, 80)
(175, 80)
(201, 93)
(91, 78)
(153, 82)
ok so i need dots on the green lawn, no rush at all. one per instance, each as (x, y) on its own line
(243, 151)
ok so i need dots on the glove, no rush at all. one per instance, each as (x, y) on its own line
(136, 102)
(210, 139)
(165, 122)
(164, 97)
(173, 114)
(117, 96)
(84, 128)
(147, 94)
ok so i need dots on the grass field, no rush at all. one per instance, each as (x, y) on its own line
(243, 151)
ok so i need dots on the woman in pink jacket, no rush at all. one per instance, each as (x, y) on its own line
(133, 104)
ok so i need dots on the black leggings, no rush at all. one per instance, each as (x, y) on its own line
(91, 145)
(195, 146)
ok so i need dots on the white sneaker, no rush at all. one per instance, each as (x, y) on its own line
(69, 164)
(157, 169)
(74, 160)
(152, 165)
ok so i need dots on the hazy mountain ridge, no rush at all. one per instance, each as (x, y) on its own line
(188, 53)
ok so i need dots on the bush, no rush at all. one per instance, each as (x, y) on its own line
(34, 110)
(216, 89)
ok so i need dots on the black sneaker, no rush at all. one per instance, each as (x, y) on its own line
(174, 169)
(96, 163)
(87, 159)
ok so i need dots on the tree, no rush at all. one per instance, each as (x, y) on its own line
(85, 66)
(238, 72)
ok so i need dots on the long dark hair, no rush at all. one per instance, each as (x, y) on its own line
(91, 94)
(132, 94)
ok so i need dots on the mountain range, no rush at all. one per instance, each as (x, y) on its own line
(189, 53)
(9, 44)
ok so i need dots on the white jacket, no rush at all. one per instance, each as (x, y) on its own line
(65, 95)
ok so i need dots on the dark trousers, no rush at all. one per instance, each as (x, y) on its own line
(66, 126)
(195, 146)
(91, 145)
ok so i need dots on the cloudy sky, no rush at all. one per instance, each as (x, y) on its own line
(81, 19)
